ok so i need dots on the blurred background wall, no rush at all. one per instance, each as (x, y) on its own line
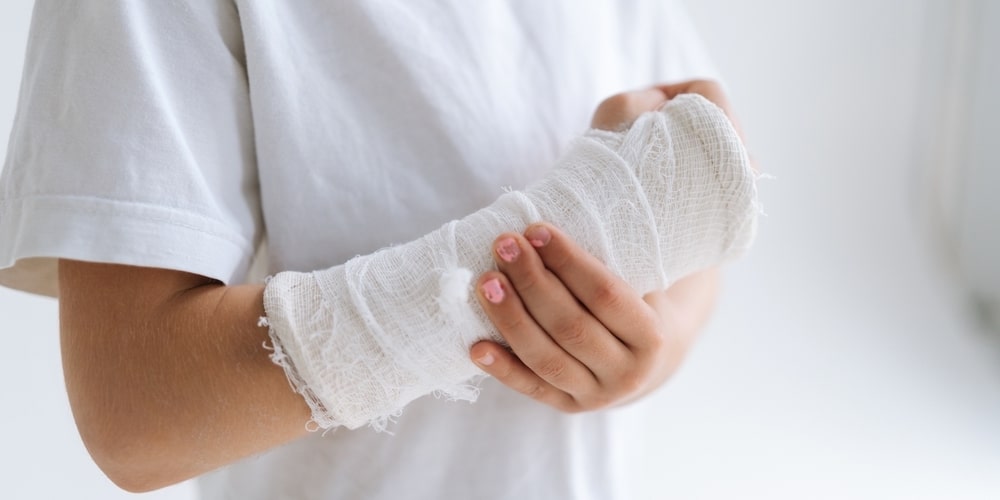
(848, 358)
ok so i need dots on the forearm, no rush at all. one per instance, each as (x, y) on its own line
(167, 376)
(166, 373)
(625, 197)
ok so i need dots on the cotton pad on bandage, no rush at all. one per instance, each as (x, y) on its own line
(671, 195)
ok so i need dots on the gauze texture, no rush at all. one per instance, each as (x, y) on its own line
(671, 195)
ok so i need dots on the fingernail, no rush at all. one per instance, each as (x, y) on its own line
(486, 360)
(508, 250)
(493, 291)
(538, 236)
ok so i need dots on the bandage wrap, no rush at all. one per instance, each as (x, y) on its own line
(671, 195)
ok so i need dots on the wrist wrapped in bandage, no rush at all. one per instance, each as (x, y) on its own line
(671, 195)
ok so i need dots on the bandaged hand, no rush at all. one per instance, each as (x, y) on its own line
(651, 201)
(578, 336)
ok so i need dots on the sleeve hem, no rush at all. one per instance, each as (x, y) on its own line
(38, 230)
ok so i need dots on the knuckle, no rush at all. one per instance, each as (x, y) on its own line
(529, 278)
(610, 103)
(513, 322)
(613, 109)
(573, 333)
(656, 342)
(631, 383)
(608, 294)
(551, 369)
(620, 101)
(711, 90)
(650, 330)
(705, 83)
(533, 390)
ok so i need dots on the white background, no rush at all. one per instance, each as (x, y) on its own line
(842, 362)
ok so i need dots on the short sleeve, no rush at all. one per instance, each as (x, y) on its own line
(132, 143)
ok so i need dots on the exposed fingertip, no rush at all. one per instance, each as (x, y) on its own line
(538, 236)
(486, 359)
(492, 290)
(508, 250)
(482, 353)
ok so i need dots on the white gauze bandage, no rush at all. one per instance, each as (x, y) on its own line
(671, 195)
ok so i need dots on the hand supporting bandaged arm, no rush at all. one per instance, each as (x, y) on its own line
(671, 195)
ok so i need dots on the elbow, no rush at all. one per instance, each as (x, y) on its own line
(135, 484)
(121, 378)
(129, 477)
(127, 457)
(118, 427)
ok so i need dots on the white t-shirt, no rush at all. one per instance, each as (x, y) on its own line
(176, 134)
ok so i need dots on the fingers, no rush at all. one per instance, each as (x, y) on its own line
(529, 341)
(708, 89)
(605, 295)
(556, 309)
(580, 338)
(513, 373)
(620, 110)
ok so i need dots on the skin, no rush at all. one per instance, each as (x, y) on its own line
(580, 338)
(167, 377)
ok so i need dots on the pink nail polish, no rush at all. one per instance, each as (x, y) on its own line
(493, 291)
(538, 236)
(508, 250)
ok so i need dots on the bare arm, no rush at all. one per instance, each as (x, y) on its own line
(166, 373)
(168, 379)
